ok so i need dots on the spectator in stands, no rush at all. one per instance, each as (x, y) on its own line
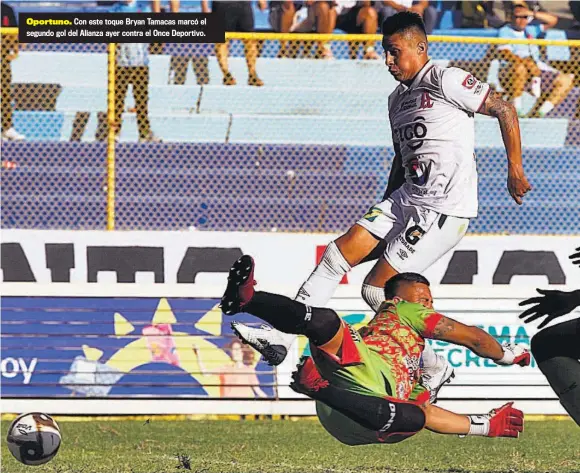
(387, 8)
(238, 16)
(183, 53)
(308, 16)
(157, 6)
(356, 18)
(9, 53)
(132, 67)
(522, 64)
(284, 17)
(479, 15)
(352, 17)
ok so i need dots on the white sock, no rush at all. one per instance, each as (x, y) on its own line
(374, 296)
(322, 283)
(518, 103)
(536, 86)
(430, 359)
(546, 108)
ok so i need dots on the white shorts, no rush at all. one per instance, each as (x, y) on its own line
(416, 237)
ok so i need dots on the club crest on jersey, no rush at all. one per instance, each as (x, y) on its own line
(469, 82)
(426, 101)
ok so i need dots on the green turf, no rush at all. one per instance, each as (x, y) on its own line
(301, 446)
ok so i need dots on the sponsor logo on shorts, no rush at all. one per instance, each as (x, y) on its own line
(372, 214)
(411, 237)
(413, 234)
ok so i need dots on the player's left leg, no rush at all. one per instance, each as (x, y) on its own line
(426, 237)
(557, 351)
(319, 325)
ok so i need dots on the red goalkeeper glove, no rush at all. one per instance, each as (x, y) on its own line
(503, 422)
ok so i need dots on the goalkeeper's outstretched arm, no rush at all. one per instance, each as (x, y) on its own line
(480, 342)
(505, 421)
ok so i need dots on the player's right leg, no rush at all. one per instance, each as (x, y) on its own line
(426, 236)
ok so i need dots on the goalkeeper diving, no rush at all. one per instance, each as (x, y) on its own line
(366, 382)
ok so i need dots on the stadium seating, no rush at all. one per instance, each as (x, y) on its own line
(309, 151)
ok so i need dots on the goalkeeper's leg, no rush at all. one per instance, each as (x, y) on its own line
(319, 325)
(557, 350)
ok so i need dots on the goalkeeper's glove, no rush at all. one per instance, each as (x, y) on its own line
(503, 422)
(514, 354)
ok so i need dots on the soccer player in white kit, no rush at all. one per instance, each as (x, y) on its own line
(432, 189)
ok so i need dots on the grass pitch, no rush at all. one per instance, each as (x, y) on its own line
(225, 446)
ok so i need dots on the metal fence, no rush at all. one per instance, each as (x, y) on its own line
(92, 143)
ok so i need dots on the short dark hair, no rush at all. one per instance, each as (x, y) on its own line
(392, 285)
(403, 21)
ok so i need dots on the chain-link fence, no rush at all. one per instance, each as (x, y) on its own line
(286, 132)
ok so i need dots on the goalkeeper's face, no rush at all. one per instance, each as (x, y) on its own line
(416, 292)
(405, 55)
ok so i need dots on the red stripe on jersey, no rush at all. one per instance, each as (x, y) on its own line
(484, 99)
(349, 351)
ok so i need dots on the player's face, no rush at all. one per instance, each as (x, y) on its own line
(416, 292)
(404, 55)
(520, 19)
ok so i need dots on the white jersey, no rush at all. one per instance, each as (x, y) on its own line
(434, 129)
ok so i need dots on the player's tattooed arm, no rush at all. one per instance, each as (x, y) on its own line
(477, 340)
(507, 116)
(505, 112)
(397, 175)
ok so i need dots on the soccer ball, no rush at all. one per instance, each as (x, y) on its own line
(33, 439)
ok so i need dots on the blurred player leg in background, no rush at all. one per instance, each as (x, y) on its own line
(557, 348)
(557, 351)
(238, 17)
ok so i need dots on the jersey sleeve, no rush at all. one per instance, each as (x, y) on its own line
(463, 90)
(418, 317)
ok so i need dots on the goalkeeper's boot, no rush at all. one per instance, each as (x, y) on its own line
(240, 288)
(271, 343)
(434, 378)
